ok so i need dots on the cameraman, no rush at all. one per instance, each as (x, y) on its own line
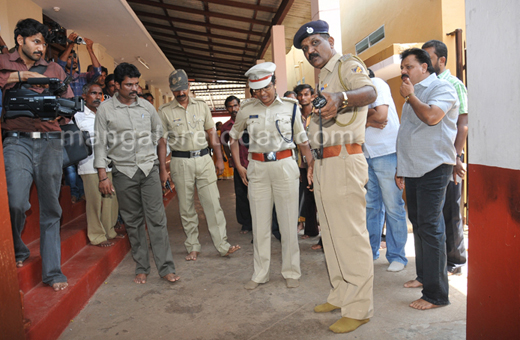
(69, 61)
(33, 151)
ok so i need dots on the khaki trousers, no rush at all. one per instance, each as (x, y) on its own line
(340, 198)
(101, 211)
(274, 182)
(188, 173)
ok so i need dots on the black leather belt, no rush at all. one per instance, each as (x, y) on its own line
(33, 135)
(190, 154)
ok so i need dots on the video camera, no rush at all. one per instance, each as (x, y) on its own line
(47, 105)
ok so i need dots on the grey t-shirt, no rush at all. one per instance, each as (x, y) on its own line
(421, 147)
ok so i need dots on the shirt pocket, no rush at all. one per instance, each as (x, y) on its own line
(253, 126)
(283, 125)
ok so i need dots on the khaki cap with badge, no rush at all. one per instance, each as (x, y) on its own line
(178, 80)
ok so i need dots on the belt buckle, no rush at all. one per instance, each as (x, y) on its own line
(316, 153)
(36, 135)
(270, 156)
(194, 154)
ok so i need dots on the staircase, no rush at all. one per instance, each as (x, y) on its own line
(85, 266)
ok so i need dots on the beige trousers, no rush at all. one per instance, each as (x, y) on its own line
(274, 182)
(188, 173)
(101, 211)
(339, 188)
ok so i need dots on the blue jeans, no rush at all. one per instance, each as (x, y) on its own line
(38, 160)
(425, 196)
(384, 195)
(74, 181)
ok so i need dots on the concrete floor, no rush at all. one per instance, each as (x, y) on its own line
(209, 302)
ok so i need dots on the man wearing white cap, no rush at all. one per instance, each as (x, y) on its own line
(275, 127)
(340, 175)
(188, 125)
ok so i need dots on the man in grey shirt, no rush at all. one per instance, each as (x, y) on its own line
(127, 131)
(425, 160)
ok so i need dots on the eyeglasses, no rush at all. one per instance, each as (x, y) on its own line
(266, 89)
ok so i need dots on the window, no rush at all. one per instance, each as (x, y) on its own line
(372, 39)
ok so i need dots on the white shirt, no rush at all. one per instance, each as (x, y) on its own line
(382, 142)
(85, 121)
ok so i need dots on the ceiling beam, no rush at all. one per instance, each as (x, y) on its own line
(200, 12)
(234, 47)
(192, 74)
(176, 60)
(200, 65)
(194, 56)
(188, 47)
(243, 5)
(198, 23)
(284, 8)
(197, 33)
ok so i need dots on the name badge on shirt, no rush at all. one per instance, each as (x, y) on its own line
(253, 116)
(176, 120)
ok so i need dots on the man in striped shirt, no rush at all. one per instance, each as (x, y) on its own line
(456, 251)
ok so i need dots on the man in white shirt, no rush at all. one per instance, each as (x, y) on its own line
(101, 211)
(383, 196)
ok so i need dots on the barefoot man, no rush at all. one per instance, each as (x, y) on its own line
(425, 160)
(127, 131)
(188, 126)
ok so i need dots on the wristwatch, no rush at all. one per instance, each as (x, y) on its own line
(345, 100)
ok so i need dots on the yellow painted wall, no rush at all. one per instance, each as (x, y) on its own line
(303, 71)
(453, 17)
(406, 22)
(11, 12)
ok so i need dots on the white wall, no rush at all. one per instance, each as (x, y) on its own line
(493, 45)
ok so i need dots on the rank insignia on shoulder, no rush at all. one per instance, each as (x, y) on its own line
(253, 116)
(357, 69)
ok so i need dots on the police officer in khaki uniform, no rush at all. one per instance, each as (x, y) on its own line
(340, 174)
(275, 127)
(187, 125)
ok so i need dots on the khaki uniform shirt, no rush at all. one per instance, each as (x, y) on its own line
(185, 129)
(126, 135)
(261, 122)
(354, 76)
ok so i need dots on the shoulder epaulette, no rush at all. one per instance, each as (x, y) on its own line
(290, 100)
(247, 102)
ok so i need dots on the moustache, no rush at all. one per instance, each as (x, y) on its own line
(314, 55)
(96, 101)
(180, 96)
(404, 76)
(133, 92)
(38, 53)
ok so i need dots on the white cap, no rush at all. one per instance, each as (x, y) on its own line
(260, 75)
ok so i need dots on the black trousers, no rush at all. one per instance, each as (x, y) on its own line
(425, 196)
(308, 206)
(455, 249)
(243, 211)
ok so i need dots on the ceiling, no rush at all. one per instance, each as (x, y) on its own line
(113, 24)
(213, 40)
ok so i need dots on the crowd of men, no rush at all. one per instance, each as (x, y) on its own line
(362, 159)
